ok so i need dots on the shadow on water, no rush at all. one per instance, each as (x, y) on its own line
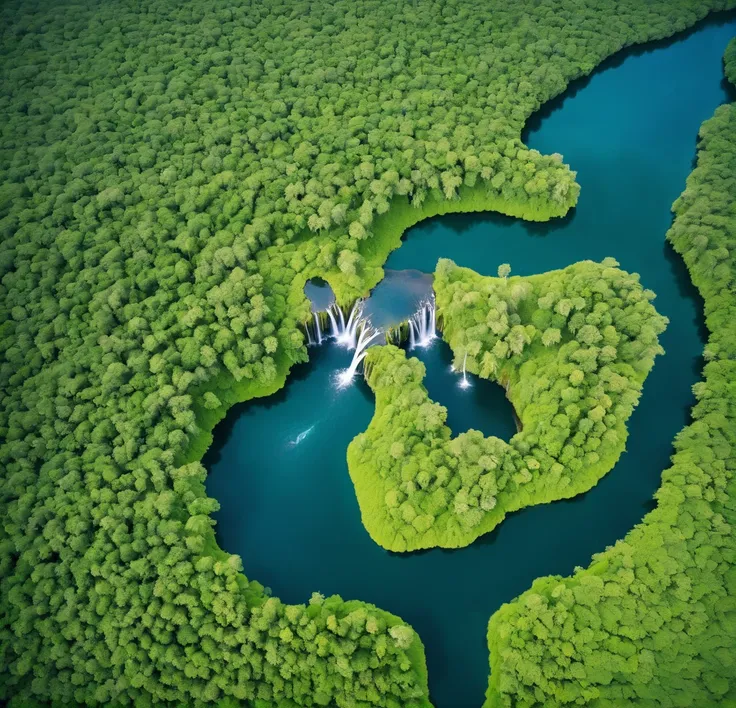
(688, 291)
(289, 509)
(488, 539)
(546, 228)
(461, 223)
(729, 89)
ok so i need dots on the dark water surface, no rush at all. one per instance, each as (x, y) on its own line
(278, 465)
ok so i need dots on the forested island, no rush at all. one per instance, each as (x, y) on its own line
(170, 178)
(571, 348)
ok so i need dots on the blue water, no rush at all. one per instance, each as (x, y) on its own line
(278, 465)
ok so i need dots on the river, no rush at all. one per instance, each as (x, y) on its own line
(277, 465)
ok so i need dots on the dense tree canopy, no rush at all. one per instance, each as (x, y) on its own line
(572, 349)
(651, 621)
(729, 61)
(170, 174)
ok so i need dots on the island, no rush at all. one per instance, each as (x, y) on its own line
(571, 348)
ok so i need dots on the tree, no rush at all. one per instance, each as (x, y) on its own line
(403, 635)
(211, 401)
(550, 337)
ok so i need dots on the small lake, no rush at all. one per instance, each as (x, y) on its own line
(277, 465)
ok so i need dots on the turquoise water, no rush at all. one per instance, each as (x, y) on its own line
(278, 465)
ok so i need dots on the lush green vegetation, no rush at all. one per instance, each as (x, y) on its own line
(729, 61)
(651, 621)
(572, 349)
(170, 174)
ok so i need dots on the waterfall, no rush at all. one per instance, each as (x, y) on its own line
(422, 325)
(345, 334)
(318, 331)
(357, 333)
(334, 329)
(465, 383)
(366, 336)
(351, 328)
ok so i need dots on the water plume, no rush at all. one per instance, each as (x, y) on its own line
(334, 327)
(346, 333)
(366, 336)
(423, 325)
(317, 328)
(465, 383)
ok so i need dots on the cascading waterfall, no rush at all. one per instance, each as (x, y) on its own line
(334, 329)
(366, 336)
(423, 325)
(317, 328)
(357, 333)
(465, 383)
(347, 335)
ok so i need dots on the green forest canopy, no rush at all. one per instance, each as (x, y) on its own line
(572, 349)
(169, 174)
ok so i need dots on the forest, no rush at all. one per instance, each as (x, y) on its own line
(651, 621)
(170, 175)
(571, 348)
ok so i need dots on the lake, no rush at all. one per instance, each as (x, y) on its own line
(277, 465)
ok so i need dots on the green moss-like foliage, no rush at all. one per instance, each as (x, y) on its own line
(170, 175)
(571, 347)
(652, 621)
(729, 61)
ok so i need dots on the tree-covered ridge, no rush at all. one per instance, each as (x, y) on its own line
(572, 349)
(169, 175)
(652, 621)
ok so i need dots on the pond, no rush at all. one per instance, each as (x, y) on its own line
(277, 465)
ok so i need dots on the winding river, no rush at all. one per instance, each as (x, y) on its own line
(278, 467)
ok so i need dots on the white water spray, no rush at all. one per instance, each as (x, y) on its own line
(317, 328)
(301, 436)
(334, 329)
(310, 341)
(346, 334)
(349, 337)
(423, 325)
(366, 336)
(465, 383)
